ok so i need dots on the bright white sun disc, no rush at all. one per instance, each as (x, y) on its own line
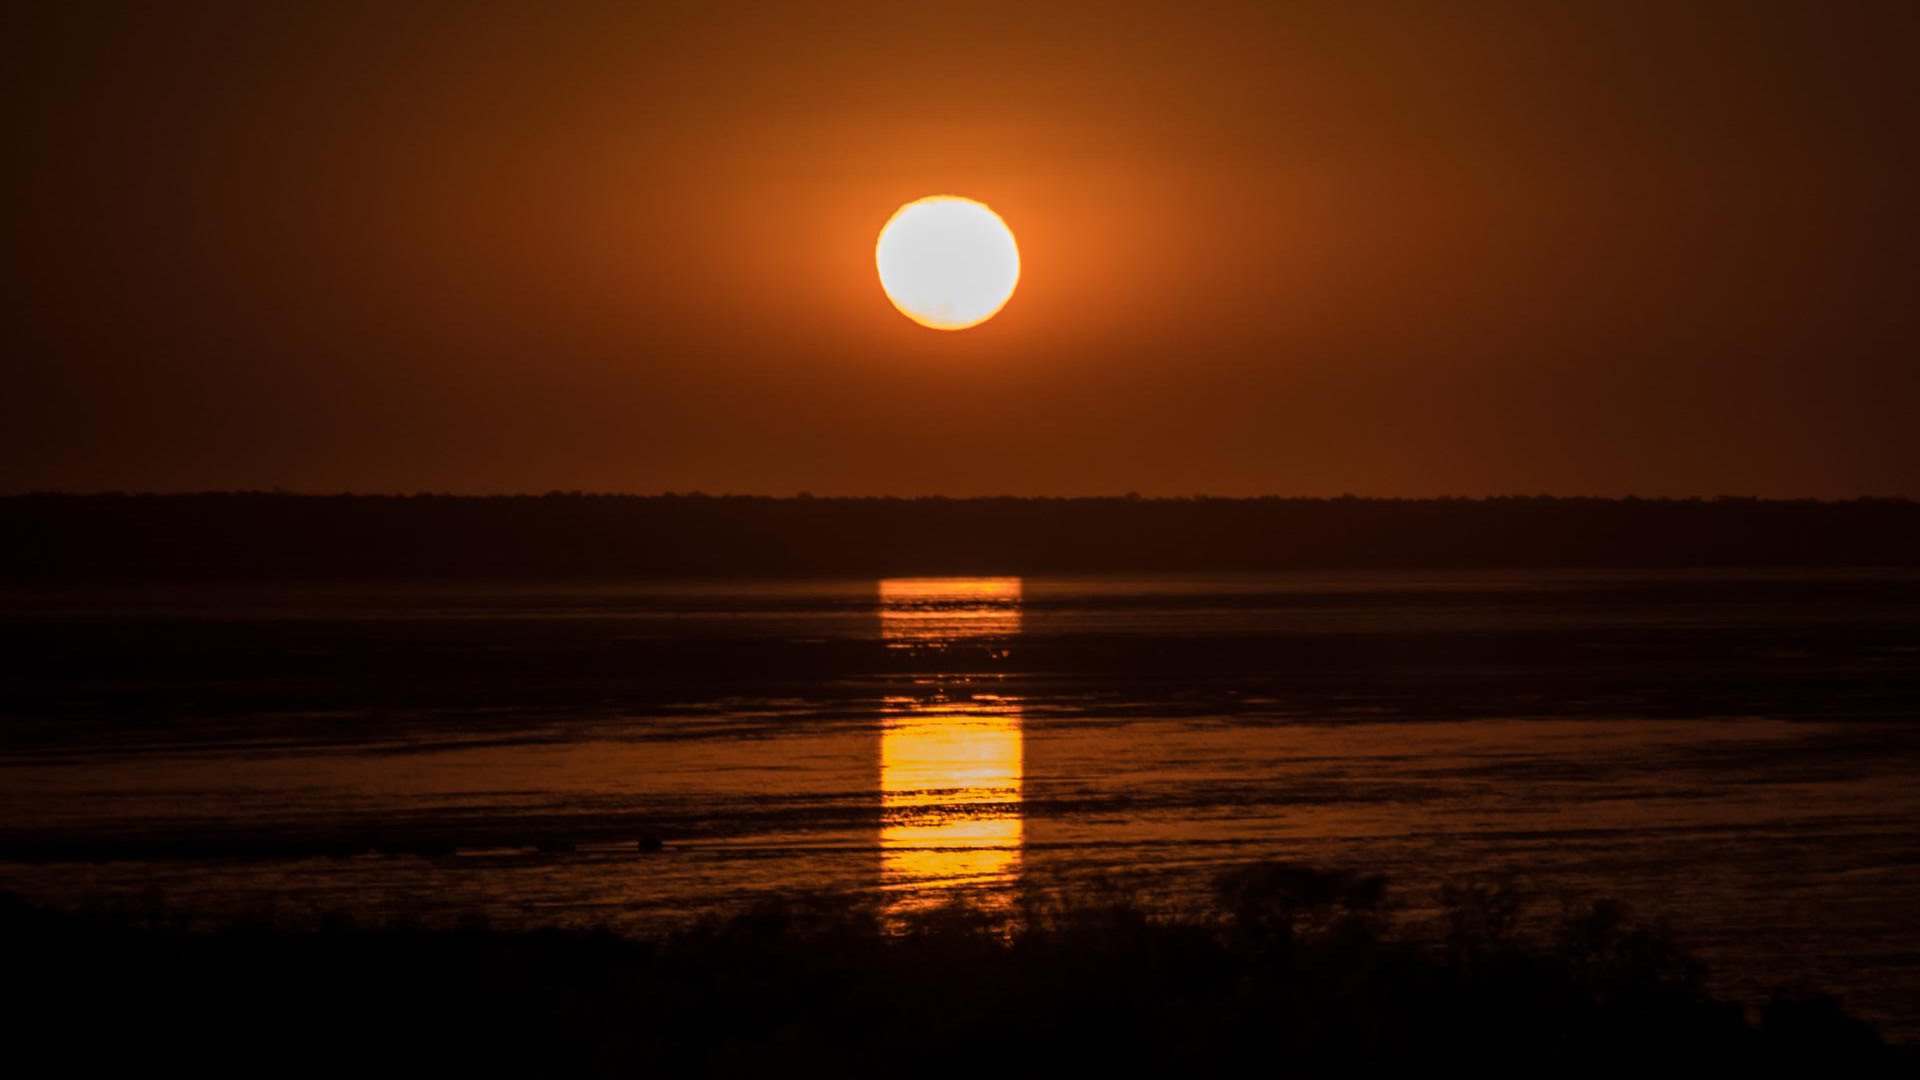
(947, 262)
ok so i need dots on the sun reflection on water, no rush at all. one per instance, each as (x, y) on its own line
(923, 614)
(950, 763)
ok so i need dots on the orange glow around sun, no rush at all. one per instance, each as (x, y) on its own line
(947, 262)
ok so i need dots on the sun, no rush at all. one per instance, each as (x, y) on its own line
(947, 262)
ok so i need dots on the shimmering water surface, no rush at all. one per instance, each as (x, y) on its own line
(1736, 753)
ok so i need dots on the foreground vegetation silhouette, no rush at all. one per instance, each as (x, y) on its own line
(1298, 971)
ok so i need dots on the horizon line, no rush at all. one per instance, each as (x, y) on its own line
(808, 496)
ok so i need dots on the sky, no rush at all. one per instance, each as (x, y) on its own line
(1280, 248)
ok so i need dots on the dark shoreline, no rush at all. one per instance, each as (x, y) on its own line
(1303, 970)
(260, 536)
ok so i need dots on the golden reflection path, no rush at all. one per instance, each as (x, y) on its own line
(950, 761)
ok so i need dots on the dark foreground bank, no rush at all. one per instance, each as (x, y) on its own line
(1298, 972)
(571, 535)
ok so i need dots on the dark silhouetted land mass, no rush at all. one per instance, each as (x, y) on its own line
(1297, 971)
(570, 535)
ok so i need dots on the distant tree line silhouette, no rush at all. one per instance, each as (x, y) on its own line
(563, 534)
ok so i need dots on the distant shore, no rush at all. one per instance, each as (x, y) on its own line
(271, 535)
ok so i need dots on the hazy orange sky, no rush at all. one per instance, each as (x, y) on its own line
(1395, 249)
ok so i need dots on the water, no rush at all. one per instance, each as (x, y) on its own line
(1735, 753)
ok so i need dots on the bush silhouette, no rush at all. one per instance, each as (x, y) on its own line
(1298, 971)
